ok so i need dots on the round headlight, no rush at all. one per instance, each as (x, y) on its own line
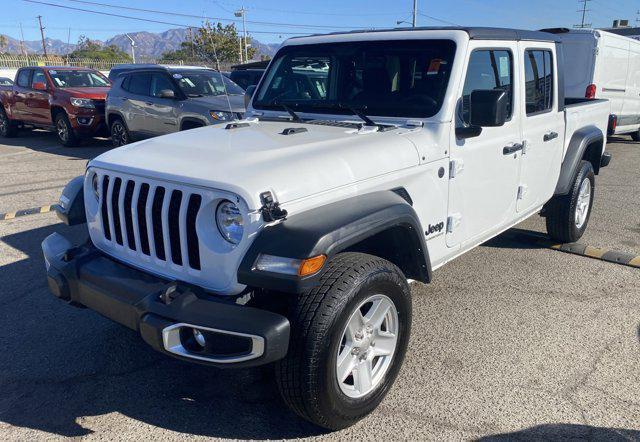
(229, 220)
(94, 186)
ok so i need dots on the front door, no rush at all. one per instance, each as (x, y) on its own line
(483, 177)
(542, 127)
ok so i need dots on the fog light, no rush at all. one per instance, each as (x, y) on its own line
(199, 337)
(84, 120)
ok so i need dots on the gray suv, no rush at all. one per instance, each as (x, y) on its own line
(155, 100)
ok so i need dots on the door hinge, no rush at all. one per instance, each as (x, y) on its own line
(525, 146)
(453, 221)
(455, 168)
(522, 191)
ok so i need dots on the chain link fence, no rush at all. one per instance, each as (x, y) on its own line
(13, 61)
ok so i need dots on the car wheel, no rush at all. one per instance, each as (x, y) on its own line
(635, 136)
(349, 339)
(7, 128)
(567, 216)
(66, 135)
(119, 133)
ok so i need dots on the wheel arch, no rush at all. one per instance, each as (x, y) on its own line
(55, 110)
(191, 123)
(380, 223)
(586, 144)
(112, 115)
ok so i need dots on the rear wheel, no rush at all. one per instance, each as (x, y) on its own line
(66, 135)
(635, 136)
(119, 133)
(8, 128)
(348, 340)
(568, 215)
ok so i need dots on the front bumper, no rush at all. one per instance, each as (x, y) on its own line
(88, 122)
(165, 312)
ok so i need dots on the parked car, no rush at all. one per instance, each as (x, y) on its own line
(605, 65)
(158, 100)
(290, 237)
(68, 100)
(4, 81)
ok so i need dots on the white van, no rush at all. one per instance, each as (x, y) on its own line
(600, 64)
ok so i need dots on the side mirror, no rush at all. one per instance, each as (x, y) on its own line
(167, 93)
(39, 86)
(248, 94)
(489, 108)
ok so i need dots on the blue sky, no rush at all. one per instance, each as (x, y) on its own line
(308, 16)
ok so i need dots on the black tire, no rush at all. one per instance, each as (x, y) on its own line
(8, 129)
(561, 210)
(635, 136)
(66, 135)
(307, 377)
(119, 133)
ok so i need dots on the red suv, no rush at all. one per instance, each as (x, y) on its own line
(67, 99)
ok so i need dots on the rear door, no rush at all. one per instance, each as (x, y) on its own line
(611, 73)
(483, 179)
(542, 125)
(38, 101)
(22, 87)
(136, 102)
(162, 112)
(631, 107)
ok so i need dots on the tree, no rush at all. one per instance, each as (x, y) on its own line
(207, 42)
(91, 49)
(3, 42)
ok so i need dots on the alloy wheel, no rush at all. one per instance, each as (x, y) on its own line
(583, 203)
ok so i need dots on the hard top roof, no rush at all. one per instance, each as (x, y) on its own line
(475, 33)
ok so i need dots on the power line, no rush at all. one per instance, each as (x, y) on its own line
(439, 19)
(156, 11)
(148, 20)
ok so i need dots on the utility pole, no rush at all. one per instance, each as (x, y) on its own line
(242, 12)
(415, 12)
(44, 46)
(584, 11)
(24, 51)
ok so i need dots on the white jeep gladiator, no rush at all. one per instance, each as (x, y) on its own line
(366, 160)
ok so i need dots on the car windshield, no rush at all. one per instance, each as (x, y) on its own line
(202, 83)
(400, 78)
(69, 78)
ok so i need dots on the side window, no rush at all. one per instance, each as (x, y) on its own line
(488, 69)
(38, 77)
(23, 78)
(160, 82)
(139, 84)
(538, 77)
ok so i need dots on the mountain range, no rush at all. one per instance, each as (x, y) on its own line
(148, 44)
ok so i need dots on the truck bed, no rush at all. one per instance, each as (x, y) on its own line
(583, 112)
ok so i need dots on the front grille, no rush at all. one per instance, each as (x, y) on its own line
(159, 222)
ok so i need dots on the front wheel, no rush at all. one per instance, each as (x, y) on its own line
(635, 136)
(568, 215)
(349, 339)
(119, 133)
(8, 129)
(66, 135)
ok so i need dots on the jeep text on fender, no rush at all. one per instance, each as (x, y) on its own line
(366, 159)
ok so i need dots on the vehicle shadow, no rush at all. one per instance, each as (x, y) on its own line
(68, 370)
(45, 141)
(517, 238)
(566, 432)
(621, 140)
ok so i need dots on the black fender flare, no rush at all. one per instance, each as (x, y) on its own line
(184, 120)
(331, 229)
(580, 140)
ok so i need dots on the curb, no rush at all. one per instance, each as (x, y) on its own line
(25, 212)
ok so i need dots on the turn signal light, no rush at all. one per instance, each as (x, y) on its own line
(310, 266)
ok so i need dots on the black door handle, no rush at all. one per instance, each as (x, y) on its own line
(512, 148)
(550, 136)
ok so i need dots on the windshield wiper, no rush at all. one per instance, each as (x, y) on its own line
(294, 116)
(359, 113)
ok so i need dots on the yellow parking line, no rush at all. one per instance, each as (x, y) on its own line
(635, 262)
(10, 215)
(45, 209)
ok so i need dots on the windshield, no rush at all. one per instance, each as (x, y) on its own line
(201, 83)
(400, 78)
(68, 78)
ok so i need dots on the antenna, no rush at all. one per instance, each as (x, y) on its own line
(584, 11)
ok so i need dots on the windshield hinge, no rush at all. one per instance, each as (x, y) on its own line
(270, 209)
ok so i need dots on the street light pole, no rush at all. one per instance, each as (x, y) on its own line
(242, 12)
(133, 45)
(415, 12)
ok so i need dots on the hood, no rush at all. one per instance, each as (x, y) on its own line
(220, 103)
(95, 93)
(250, 160)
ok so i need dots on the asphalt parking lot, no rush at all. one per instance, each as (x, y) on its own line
(512, 340)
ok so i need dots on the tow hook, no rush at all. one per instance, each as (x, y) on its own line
(270, 209)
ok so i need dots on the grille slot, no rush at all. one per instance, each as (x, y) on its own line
(153, 220)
